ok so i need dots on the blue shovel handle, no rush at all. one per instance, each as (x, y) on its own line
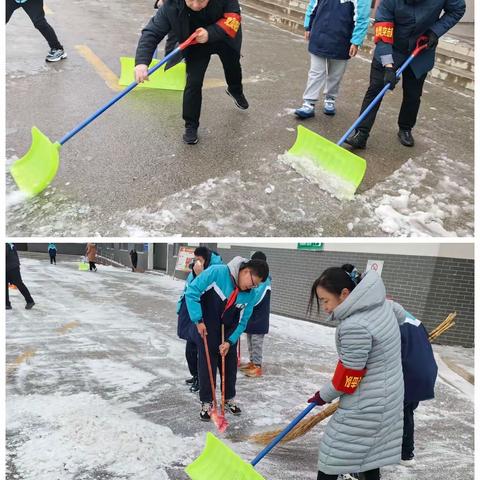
(190, 41)
(420, 46)
(282, 434)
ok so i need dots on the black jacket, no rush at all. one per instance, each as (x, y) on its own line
(176, 16)
(11, 260)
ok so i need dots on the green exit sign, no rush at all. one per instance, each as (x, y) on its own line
(310, 246)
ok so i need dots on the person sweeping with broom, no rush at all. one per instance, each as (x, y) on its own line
(222, 295)
(218, 27)
(365, 432)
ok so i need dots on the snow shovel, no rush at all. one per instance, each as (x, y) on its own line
(331, 157)
(37, 168)
(219, 462)
(173, 78)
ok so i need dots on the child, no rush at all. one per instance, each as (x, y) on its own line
(52, 252)
(335, 29)
(222, 295)
(258, 325)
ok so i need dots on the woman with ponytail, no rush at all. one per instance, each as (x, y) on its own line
(365, 433)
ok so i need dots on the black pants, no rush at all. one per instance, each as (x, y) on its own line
(412, 92)
(34, 9)
(216, 361)
(13, 276)
(191, 354)
(197, 59)
(408, 444)
(53, 259)
(369, 475)
(92, 266)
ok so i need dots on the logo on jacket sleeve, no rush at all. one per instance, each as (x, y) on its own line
(230, 23)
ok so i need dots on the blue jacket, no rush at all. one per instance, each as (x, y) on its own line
(207, 296)
(259, 322)
(418, 362)
(185, 328)
(52, 248)
(336, 24)
(412, 18)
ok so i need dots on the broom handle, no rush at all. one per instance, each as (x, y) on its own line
(210, 374)
(282, 434)
(420, 46)
(189, 41)
(223, 373)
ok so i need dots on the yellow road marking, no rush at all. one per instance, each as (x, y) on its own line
(47, 10)
(68, 326)
(20, 359)
(110, 78)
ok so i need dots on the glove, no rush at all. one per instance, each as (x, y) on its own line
(390, 77)
(317, 399)
(432, 39)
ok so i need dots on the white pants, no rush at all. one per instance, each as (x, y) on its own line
(326, 74)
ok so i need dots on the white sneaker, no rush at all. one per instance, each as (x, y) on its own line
(408, 463)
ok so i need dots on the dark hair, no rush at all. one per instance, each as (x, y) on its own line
(258, 267)
(259, 256)
(334, 280)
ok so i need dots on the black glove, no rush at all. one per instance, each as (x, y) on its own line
(432, 39)
(390, 77)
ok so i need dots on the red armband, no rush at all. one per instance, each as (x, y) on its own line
(230, 23)
(347, 379)
(383, 32)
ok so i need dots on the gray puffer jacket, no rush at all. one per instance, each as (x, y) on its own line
(366, 431)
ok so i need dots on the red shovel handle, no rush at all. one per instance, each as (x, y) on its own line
(210, 374)
(191, 40)
(223, 373)
(422, 44)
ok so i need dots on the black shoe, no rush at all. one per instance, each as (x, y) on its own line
(205, 412)
(195, 385)
(29, 305)
(406, 138)
(190, 137)
(239, 99)
(8, 307)
(357, 139)
(189, 380)
(232, 407)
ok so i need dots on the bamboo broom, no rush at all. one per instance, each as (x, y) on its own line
(306, 425)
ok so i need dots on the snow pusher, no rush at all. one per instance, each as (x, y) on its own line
(331, 158)
(165, 78)
(219, 462)
(37, 168)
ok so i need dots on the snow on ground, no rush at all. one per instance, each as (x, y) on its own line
(95, 387)
(429, 195)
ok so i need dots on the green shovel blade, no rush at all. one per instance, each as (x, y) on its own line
(37, 168)
(219, 462)
(327, 155)
(174, 78)
(83, 266)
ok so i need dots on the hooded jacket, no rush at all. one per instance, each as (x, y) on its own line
(366, 430)
(185, 328)
(52, 249)
(207, 296)
(176, 16)
(411, 19)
